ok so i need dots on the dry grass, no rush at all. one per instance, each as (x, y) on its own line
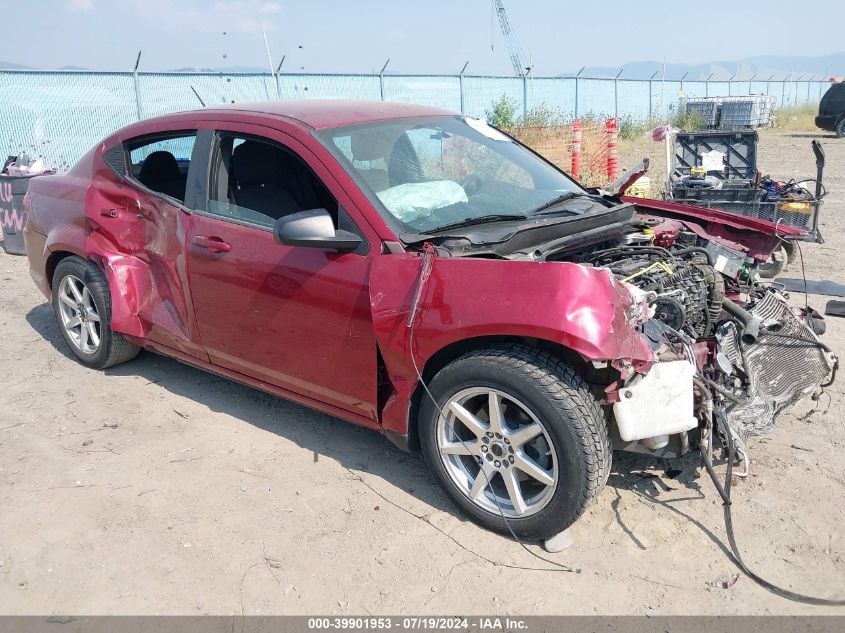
(797, 118)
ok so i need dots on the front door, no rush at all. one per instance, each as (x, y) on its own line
(295, 317)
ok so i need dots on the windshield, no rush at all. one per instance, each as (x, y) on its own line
(435, 172)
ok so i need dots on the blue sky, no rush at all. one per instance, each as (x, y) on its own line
(418, 36)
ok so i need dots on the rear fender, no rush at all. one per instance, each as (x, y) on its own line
(581, 308)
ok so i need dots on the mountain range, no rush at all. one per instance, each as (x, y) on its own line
(764, 66)
(777, 67)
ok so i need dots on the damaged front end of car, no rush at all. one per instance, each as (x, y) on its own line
(731, 353)
(727, 352)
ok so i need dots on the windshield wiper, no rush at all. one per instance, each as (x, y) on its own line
(483, 219)
(561, 198)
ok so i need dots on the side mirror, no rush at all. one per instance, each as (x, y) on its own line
(315, 229)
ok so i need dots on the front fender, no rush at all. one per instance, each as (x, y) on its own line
(581, 308)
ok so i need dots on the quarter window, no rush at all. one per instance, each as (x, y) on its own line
(161, 162)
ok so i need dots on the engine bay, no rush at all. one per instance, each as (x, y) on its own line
(753, 355)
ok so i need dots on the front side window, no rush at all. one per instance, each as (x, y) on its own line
(161, 162)
(432, 172)
(257, 181)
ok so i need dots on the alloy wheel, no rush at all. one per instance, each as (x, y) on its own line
(79, 316)
(497, 452)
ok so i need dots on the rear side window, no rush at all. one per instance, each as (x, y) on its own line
(161, 162)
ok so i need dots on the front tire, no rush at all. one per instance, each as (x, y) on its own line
(520, 435)
(82, 305)
(840, 128)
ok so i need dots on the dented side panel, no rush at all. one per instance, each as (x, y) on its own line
(136, 238)
(139, 239)
(584, 309)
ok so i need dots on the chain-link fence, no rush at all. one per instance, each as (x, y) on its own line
(62, 114)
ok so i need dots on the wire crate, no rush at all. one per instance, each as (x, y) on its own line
(731, 112)
(707, 109)
(746, 112)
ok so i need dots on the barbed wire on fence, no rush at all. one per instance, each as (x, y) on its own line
(61, 114)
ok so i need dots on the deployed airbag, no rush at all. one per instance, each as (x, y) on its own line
(415, 200)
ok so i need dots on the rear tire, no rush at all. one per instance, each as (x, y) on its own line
(82, 305)
(840, 128)
(539, 396)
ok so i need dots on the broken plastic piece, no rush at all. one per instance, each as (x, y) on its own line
(835, 308)
(813, 287)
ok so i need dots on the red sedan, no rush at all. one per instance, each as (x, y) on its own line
(421, 273)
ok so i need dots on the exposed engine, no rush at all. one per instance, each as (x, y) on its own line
(750, 354)
(686, 292)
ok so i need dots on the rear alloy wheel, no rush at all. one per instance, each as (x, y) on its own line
(517, 440)
(82, 305)
(78, 315)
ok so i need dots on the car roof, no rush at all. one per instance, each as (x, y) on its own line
(319, 114)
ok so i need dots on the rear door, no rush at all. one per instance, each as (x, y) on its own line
(295, 317)
(143, 217)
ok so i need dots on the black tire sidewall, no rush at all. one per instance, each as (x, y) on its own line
(94, 280)
(770, 270)
(564, 506)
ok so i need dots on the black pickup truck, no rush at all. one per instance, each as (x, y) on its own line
(832, 110)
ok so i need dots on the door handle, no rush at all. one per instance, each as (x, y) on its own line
(212, 244)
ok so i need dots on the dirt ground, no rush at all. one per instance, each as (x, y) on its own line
(155, 488)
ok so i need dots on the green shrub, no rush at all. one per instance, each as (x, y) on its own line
(503, 113)
(631, 127)
(687, 121)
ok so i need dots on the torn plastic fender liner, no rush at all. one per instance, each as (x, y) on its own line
(582, 308)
